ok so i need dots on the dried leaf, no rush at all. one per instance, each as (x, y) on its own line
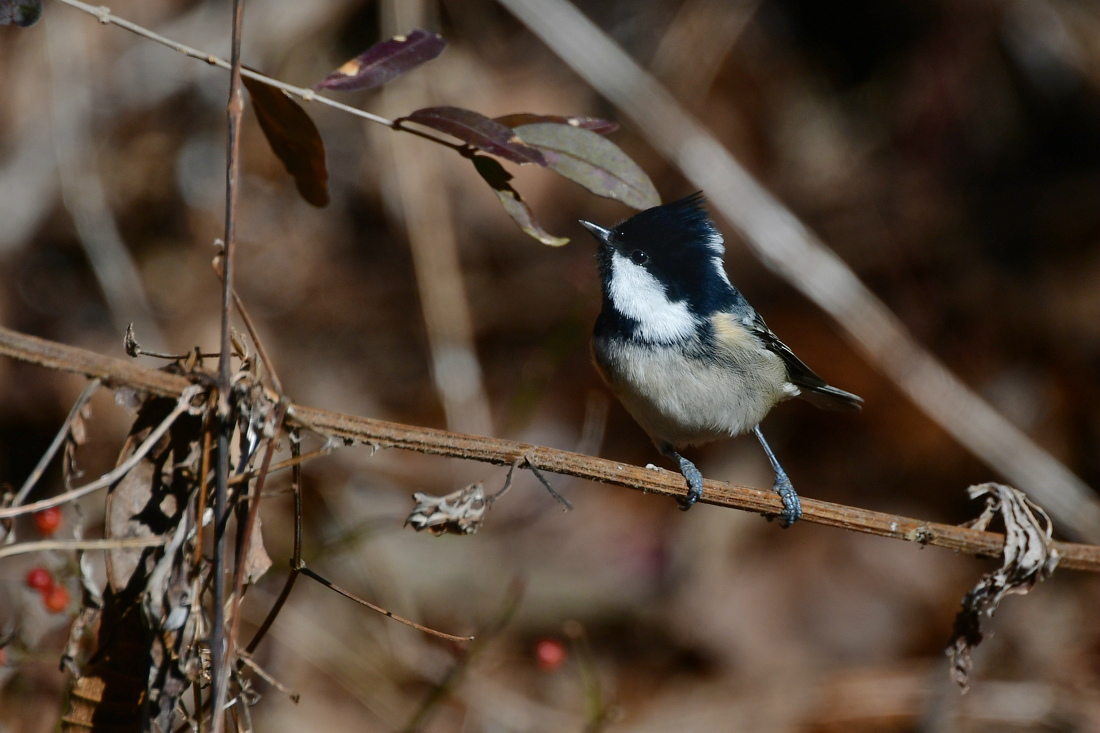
(593, 161)
(495, 175)
(460, 512)
(1029, 558)
(293, 137)
(595, 124)
(385, 61)
(478, 131)
(23, 13)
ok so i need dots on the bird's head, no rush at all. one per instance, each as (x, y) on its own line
(663, 268)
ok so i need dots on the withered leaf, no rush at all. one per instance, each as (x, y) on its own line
(593, 161)
(293, 137)
(1030, 557)
(478, 131)
(595, 124)
(495, 175)
(460, 512)
(385, 61)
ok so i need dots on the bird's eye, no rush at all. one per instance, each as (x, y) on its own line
(638, 257)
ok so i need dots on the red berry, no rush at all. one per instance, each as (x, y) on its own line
(40, 579)
(550, 654)
(56, 599)
(47, 521)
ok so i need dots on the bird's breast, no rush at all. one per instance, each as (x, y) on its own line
(690, 393)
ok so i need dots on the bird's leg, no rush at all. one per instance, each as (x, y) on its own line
(691, 473)
(792, 506)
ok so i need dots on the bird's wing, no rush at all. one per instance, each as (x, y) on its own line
(815, 390)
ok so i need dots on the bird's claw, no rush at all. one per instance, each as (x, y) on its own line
(792, 505)
(695, 484)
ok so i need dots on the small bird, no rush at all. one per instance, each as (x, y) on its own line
(683, 350)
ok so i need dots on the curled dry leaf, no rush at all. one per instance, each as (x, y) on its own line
(385, 61)
(478, 131)
(1029, 557)
(293, 137)
(595, 124)
(593, 161)
(460, 512)
(495, 175)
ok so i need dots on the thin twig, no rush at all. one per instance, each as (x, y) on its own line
(276, 384)
(44, 461)
(350, 428)
(295, 438)
(104, 15)
(288, 463)
(23, 548)
(219, 668)
(248, 660)
(182, 405)
(389, 614)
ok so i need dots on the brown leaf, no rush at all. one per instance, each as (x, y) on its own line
(495, 175)
(595, 124)
(1029, 558)
(385, 61)
(460, 512)
(478, 131)
(293, 137)
(592, 161)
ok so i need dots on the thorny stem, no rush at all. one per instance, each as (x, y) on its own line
(353, 429)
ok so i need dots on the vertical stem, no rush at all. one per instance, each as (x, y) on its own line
(219, 654)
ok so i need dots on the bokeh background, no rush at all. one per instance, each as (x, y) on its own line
(949, 152)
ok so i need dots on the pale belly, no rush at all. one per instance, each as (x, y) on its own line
(685, 401)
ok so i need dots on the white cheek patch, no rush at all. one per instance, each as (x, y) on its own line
(639, 296)
(716, 243)
(720, 268)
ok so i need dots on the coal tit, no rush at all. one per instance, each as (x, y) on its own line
(683, 350)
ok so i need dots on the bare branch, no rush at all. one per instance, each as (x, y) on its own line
(504, 452)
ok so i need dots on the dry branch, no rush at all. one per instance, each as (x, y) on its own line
(504, 452)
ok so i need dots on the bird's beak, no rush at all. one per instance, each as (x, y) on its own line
(602, 235)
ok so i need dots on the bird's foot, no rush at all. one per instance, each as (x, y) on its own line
(695, 484)
(792, 505)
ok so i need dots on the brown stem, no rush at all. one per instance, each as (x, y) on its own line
(505, 452)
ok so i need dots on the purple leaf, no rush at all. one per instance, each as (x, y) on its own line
(23, 13)
(592, 161)
(595, 124)
(495, 175)
(293, 137)
(385, 61)
(478, 131)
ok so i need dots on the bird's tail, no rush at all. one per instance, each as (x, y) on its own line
(828, 397)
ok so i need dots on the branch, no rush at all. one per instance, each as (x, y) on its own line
(504, 452)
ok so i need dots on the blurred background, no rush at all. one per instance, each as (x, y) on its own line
(949, 152)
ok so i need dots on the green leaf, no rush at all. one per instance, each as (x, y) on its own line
(497, 177)
(593, 161)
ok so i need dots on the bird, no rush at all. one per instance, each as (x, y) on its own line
(682, 349)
